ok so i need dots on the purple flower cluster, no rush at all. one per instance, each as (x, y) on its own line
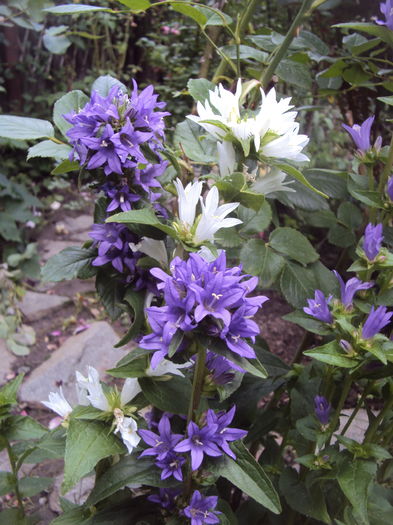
(112, 241)
(319, 306)
(373, 238)
(221, 370)
(109, 132)
(386, 9)
(162, 446)
(204, 296)
(211, 439)
(201, 509)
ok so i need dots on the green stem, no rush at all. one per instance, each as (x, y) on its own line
(279, 54)
(344, 394)
(365, 393)
(387, 169)
(375, 424)
(15, 479)
(197, 385)
(242, 25)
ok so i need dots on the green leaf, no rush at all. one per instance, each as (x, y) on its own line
(296, 174)
(386, 100)
(77, 516)
(74, 9)
(293, 244)
(191, 12)
(48, 148)
(145, 216)
(308, 501)
(255, 222)
(136, 5)
(136, 302)
(67, 264)
(129, 470)
(331, 182)
(308, 323)
(248, 475)
(6, 483)
(22, 428)
(332, 354)
(195, 146)
(259, 259)
(297, 284)
(87, 443)
(17, 348)
(132, 365)
(111, 293)
(30, 486)
(9, 390)
(355, 478)
(23, 128)
(65, 167)
(245, 52)
(170, 396)
(55, 40)
(199, 88)
(381, 32)
(105, 83)
(294, 73)
(72, 101)
(50, 446)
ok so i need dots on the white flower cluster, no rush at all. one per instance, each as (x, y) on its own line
(272, 130)
(90, 392)
(213, 216)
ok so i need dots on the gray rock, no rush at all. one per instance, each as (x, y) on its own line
(77, 494)
(35, 305)
(7, 359)
(78, 224)
(49, 248)
(93, 347)
(358, 427)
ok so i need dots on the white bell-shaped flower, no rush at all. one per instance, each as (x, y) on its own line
(58, 403)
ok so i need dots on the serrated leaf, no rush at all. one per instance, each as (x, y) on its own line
(48, 148)
(169, 396)
(196, 147)
(136, 5)
(145, 216)
(66, 264)
(129, 470)
(87, 443)
(105, 83)
(258, 259)
(297, 284)
(72, 101)
(30, 486)
(255, 222)
(111, 293)
(23, 128)
(381, 32)
(248, 475)
(199, 88)
(293, 244)
(332, 354)
(74, 9)
(136, 302)
(354, 478)
(294, 73)
(296, 174)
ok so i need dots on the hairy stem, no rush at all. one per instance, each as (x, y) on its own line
(278, 54)
(14, 471)
(344, 394)
(372, 429)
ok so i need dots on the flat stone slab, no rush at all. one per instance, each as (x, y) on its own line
(78, 224)
(49, 248)
(35, 305)
(94, 347)
(77, 494)
(359, 425)
(7, 359)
